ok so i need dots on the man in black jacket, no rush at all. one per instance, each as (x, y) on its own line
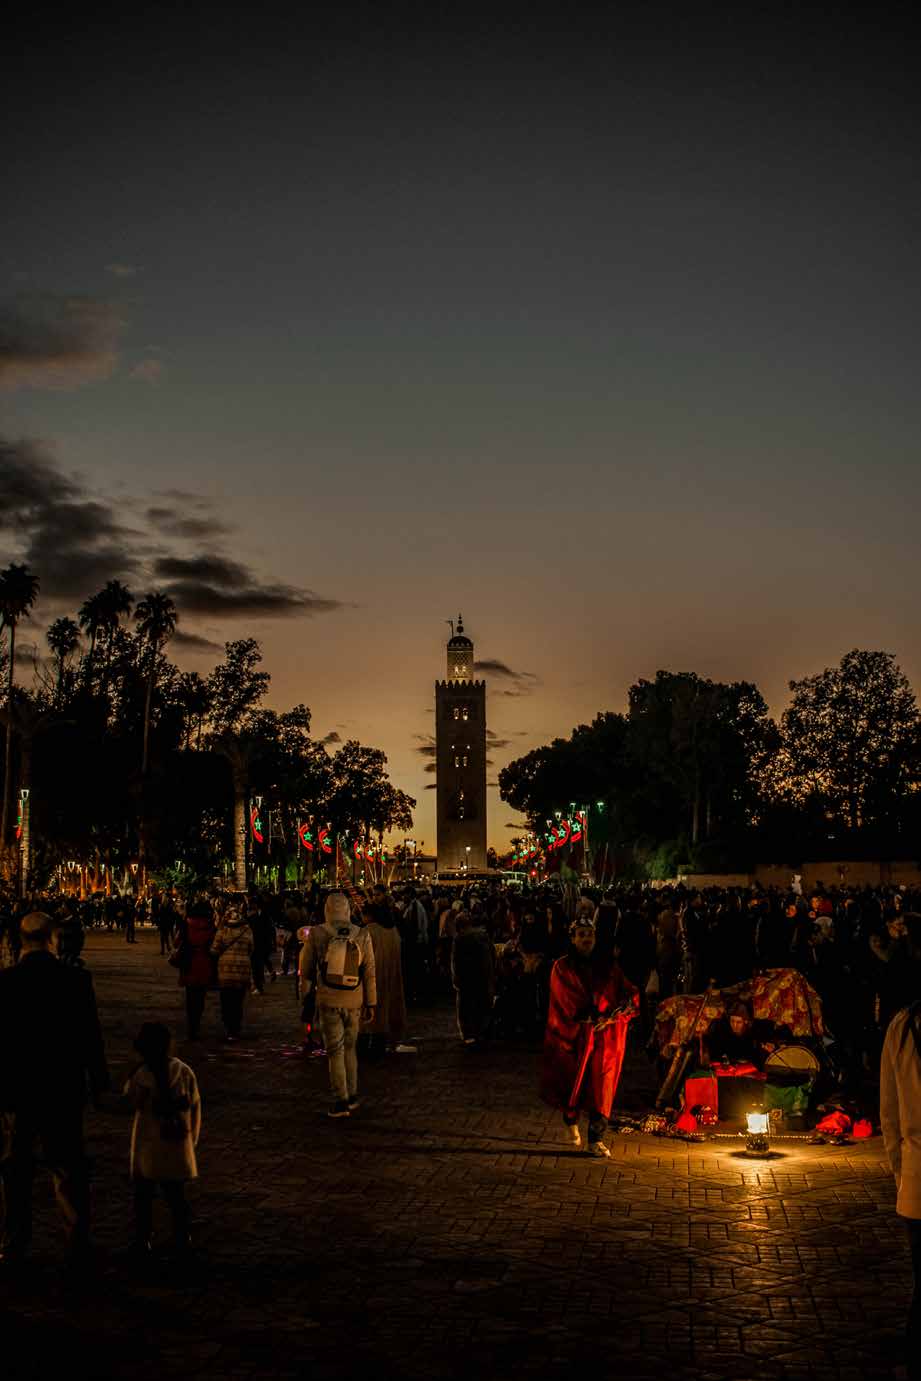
(50, 1045)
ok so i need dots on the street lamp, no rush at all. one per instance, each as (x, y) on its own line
(467, 860)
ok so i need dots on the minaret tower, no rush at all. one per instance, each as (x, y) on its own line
(460, 760)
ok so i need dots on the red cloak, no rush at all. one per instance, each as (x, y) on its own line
(580, 993)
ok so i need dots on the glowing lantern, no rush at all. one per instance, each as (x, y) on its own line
(758, 1126)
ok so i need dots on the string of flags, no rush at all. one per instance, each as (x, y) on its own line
(319, 839)
(566, 831)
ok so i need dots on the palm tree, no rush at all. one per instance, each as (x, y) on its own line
(91, 616)
(156, 617)
(18, 592)
(195, 697)
(114, 599)
(240, 750)
(63, 637)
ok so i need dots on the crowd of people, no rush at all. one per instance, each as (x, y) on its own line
(495, 947)
(568, 967)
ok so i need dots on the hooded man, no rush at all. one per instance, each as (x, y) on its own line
(337, 962)
(591, 1003)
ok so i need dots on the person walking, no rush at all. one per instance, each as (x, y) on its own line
(337, 963)
(387, 1025)
(192, 957)
(591, 1004)
(473, 973)
(164, 1134)
(52, 1044)
(232, 947)
(414, 927)
(900, 1118)
(166, 923)
(124, 917)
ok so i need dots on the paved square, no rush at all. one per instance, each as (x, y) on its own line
(446, 1230)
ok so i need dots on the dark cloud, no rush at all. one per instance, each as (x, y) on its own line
(171, 522)
(430, 767)
(331, 737)
(184, 496)
(493, 667)
(57, 342)
(254, 599)
(209, 569)
(426, 745)
(192, 642)
(495, 741)
(75, 542)
(430, 786)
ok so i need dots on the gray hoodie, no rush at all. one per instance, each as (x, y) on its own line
(313, 953)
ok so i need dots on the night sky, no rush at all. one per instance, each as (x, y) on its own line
(605, 336)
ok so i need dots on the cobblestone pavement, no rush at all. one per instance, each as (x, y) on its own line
(446, 1230)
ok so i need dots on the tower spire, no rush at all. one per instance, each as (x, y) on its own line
(460, 652)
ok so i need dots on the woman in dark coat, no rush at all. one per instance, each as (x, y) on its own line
(473, 972)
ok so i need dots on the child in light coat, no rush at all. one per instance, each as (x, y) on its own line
(164, 1134)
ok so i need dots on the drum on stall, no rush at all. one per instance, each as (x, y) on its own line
(791, 1066)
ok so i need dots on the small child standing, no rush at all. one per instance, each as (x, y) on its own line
(164, 1134)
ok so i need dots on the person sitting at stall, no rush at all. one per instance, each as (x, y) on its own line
(737, 1039)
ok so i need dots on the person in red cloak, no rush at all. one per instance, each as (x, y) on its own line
(591, 1004)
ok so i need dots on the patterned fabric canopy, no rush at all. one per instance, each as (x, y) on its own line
(781, 996)
(784, 997)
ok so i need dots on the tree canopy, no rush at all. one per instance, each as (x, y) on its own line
(126, 756)
(699, 768)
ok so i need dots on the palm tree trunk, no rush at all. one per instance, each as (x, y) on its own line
(88, 669)
(8, 751)
(104, 680)
(147, 704)
(239, 832)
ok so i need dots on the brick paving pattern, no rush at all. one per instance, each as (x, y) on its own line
(446, 1230)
